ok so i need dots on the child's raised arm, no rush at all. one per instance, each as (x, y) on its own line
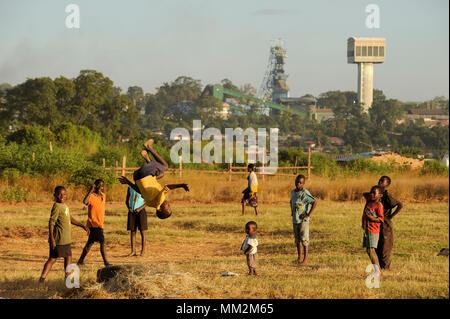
(174, 186)
(124, 180)
(86, 198)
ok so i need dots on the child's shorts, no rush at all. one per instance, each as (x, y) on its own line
(301, 233)
(153, 168)
(252, 260)
(96, 235)
(137, 221)
(250, 201)
(61, 251)
(370, 240)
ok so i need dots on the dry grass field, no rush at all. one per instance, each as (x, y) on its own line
(220, 188)
(188, 252)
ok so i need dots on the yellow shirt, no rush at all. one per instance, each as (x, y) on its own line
(153, 193)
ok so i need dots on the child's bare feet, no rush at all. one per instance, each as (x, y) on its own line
(299, 261)
(143, 253)
(148, 144)
(144, 154)
(132, 254)
(305, 261)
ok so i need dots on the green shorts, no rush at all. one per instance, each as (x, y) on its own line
(370, 240)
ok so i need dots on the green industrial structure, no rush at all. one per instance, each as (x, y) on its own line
(273, 96)
(307, 111)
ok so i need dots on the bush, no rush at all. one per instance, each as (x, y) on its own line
(11, 174)
(434, 167)
(31, 135)
(77, 138)
(111, 154)
(14, 194)
(20, 157)
(89, 173)
(287, 157)
(323, 165)
(364, 165)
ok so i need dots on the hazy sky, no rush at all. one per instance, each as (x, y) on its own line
(147, 43)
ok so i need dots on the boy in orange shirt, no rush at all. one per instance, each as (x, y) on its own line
(95, 200)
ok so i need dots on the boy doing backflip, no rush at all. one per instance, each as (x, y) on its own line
(146, 182)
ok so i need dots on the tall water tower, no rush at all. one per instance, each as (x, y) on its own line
(365, 52)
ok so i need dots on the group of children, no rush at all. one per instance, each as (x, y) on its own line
(302, 205)
(378, 237)
(147, 192)
(379, 209)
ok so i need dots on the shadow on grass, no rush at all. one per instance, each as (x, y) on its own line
(209, 227)
(26, 288)
(11, 258)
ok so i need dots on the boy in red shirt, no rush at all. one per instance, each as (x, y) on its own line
(371, 220)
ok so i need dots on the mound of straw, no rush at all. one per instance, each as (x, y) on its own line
(160, 281)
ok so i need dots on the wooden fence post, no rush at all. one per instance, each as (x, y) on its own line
(229, 171)
(34, 156)
(181, 165)
(263, 161)
(104, 162)
(295, 165)
(115, 168)
(124, 164)
(309, 163)
(51, 147)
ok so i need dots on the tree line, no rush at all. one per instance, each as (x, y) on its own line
(92, 101)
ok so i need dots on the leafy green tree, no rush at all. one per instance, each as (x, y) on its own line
(92, 91)
(65, 92)
(229, 85)
(385, 113)
(34, 101)
(3, 88)
(206, 108)
(136, 95)
(332, 99)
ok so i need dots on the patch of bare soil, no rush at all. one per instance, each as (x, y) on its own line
(22, 232)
